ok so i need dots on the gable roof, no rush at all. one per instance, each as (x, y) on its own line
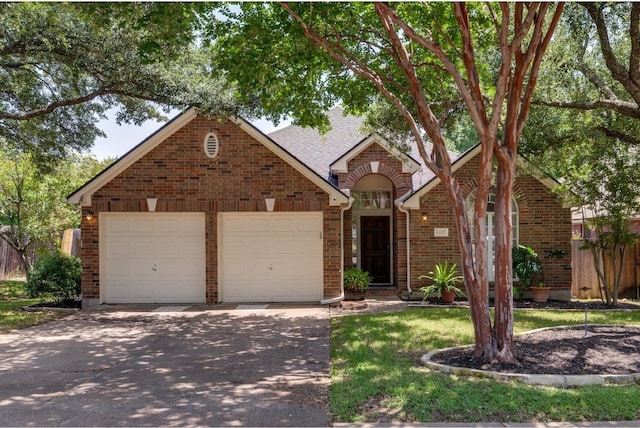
(409, 165)
(412, 201)
(83, 194)
(320, 152)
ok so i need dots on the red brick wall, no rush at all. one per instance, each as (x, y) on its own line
(179, 174)
(390, 167)
(543, 224)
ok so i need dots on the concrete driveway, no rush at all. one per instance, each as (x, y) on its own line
(169, 366)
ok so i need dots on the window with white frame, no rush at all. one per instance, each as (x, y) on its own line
(490, 221)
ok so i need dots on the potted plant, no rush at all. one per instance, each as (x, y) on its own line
(445, 279)
(356, 282)
(540, 292)
(528, 268)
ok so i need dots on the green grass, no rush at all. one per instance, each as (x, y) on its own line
(12, 299)
(376, 374)
(12, 289)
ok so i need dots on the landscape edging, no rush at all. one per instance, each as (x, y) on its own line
(556, 380)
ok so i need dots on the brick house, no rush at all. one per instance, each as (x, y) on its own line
(210, 211)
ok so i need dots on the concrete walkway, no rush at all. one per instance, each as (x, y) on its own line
(169, 366)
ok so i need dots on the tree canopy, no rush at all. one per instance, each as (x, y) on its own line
(584, 127)
(62, 65)
(33, 210)
(592, 73)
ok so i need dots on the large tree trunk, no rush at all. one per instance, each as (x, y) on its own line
(504, 274)
(475, 280)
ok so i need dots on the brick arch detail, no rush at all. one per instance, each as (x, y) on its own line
(518, 194)
(400, 182)
(468, 187)
(521, 199)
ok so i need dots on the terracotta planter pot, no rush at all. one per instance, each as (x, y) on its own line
(540, 294)
(448, 296)
(353, 295)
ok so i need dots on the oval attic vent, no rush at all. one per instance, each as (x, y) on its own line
(211, 145)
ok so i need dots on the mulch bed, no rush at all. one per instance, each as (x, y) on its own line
(566, 351)
(67, 304)
(590, 305)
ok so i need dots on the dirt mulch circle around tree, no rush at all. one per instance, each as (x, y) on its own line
(564, 350)
(578, 305)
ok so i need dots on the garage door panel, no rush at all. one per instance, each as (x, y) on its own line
(119, 249)
(170, 295)
(143, 293)
(143, 249)
(120, 226)
(119, 293)
(179, 249)
(270, 257)
(188, 270)
(310, 225)
(142, 226)
(153, 257)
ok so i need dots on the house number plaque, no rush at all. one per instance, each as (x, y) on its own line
(441, 232)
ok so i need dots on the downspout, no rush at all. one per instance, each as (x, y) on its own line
(341, 296)
(400, 204)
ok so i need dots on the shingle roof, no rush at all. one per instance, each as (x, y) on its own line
(319, 151)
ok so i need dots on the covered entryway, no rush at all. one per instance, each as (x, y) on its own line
(270, 256)
(152, 257)
(372, 235)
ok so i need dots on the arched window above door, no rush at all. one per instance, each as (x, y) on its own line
(373, 191)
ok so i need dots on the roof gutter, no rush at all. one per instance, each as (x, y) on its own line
(341, 296)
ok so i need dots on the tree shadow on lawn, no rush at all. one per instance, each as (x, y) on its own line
(376, 367)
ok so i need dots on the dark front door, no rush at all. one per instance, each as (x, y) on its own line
(375, 251)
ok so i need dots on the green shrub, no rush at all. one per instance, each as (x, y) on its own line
(356, 279)
(55, 276)
(527, 265)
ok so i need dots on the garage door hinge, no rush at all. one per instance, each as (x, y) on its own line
(320, 235)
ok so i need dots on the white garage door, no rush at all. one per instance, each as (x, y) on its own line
(152, 257)
(270, 257)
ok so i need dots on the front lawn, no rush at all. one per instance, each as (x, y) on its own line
(12, 317)
(377, 377)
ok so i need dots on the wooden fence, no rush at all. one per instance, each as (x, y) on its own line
(10, 266)
(71, 242)
(584, 284)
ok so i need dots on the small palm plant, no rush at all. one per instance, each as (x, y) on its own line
(445, 279)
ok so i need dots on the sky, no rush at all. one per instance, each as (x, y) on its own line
(122, 138)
